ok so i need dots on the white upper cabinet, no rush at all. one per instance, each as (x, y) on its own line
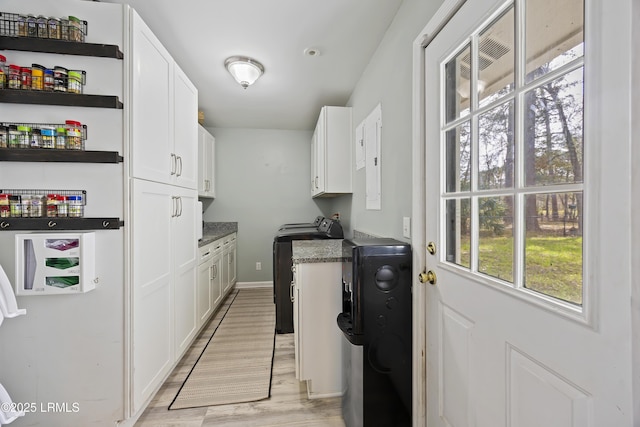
(185, 129)
(331, 152)
(164, 108)
(206, 161)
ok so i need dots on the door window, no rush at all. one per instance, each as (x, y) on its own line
(513, 151)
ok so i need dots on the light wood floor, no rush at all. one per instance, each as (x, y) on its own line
(287, 406)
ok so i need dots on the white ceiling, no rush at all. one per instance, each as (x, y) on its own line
(201, 34)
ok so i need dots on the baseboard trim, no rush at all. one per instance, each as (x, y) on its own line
(247, 285)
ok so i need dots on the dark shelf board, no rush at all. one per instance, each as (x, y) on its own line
(60, 46)
(19, 224)
(55, 155)
(14, 96)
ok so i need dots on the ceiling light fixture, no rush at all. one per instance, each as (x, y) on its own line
(245, 70)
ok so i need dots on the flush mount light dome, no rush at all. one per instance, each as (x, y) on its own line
(245, 70)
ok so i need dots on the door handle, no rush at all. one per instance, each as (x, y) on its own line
(428, 277)
(179, 169)
(173, 164)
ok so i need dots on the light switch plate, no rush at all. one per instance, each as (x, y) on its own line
(406, 227)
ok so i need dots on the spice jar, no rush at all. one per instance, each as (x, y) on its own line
(15, 206)
(24, 140)
(32, 26)
(48, 80)
(25, 78)
(4, 136)
(21, 26)
(3, 72)
(14, 137)
(15, 80)
(43, 27)
(37, 77)
(64, 29)
(76, 207)
(36, 206)
(26, 205)
(36, 138)
(52, 205)
(74, 135)
(5, 211)
(48, 137)
(54, 28)
(60, 79)
(75, 29)
(75, 81)
(61, 138)
(63, 206)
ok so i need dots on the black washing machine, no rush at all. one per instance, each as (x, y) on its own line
(282, 274)
(376, 322)
(315, 224)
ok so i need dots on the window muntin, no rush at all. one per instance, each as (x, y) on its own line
(507, 146)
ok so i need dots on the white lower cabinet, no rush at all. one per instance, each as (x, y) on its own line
(209, 293)
(163, 263)
(229, 268)
(318, 341)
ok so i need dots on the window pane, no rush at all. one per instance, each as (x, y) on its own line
(458, 231)
(458, 158)
(496, 147)
(495, 253)
(553, 131)
(553, 246)
(457, 85)
(496, 61)
(554, 35)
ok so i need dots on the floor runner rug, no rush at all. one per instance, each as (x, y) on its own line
(236, 364)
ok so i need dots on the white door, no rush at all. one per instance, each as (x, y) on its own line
(527, 205)
(185, 108)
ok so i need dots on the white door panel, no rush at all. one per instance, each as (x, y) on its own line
(501, 348)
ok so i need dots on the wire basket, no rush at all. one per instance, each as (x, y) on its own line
(38, 203)
(67, 28)
(60, 140)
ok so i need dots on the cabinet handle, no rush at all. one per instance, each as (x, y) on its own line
(316, 182)
(291, 293)
(173, 164)
(174, 211)
(179, 159)
(180, 204)
(215, 269)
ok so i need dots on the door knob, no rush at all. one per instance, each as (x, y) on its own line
(428, 277)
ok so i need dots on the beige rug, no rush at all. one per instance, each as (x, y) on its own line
(235, 366)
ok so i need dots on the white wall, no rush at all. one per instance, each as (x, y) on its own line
(388, 80)
(262, 182)
(69, 348)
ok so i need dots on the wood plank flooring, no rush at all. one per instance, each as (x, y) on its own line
(287, 406)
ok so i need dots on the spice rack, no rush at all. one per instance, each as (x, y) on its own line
(65, 47)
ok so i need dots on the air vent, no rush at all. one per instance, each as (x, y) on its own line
(490, 51)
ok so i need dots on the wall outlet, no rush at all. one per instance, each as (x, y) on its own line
(258, 265)
(406, 227)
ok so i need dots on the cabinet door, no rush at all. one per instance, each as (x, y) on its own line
(185, 128)
(216, 280)
(206, 154)
(152, 293)
(204, 297)
(151, 120)
(185, 260)
(297, 331)
(233, 270)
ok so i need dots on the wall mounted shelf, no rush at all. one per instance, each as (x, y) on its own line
(18, 224)
(55, 155)
(60, 46)
(59, 98)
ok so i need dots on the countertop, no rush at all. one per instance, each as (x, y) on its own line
(213, 231)
(308, 251)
